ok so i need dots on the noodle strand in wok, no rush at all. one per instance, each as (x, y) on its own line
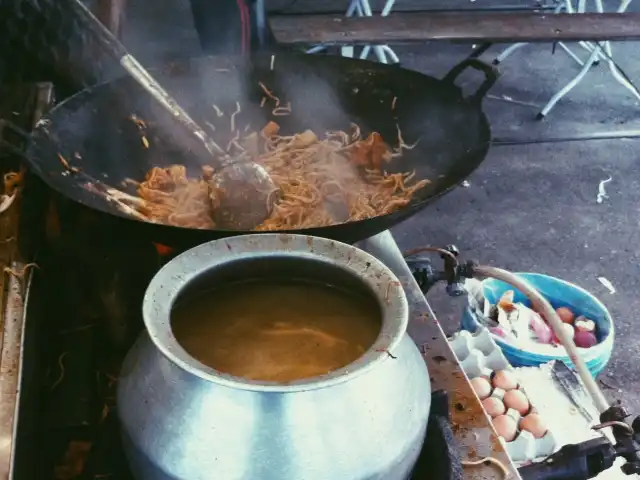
(321, 182)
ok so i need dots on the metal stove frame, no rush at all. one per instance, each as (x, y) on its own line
(471, 426)
(15, 281)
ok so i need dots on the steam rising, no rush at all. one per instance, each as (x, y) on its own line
(230, 98)
(233, 97)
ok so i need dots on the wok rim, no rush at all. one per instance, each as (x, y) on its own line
(40, 135)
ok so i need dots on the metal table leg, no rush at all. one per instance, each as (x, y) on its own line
(516, 46)
(595, 55)
(559, 9)
(362, 8)
(261, 22)
(569, 86)
(381, 51)
(597, 52)
(508, 51)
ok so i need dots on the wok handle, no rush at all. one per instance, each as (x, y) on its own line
(13, 149)
(491, 75)
(24, 135)
(13, 128)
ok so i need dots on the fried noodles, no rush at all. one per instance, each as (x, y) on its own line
(320, 182)
(173, 199)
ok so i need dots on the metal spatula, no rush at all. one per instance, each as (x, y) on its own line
(569, 383)
(242, 188)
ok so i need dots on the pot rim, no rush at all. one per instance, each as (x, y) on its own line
(173, 277)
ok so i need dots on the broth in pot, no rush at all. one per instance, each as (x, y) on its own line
(277, 330)
(232, 368)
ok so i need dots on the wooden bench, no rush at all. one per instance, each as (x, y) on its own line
(420, 27)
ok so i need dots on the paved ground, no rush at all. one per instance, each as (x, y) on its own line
(528, 208)
(533, 207)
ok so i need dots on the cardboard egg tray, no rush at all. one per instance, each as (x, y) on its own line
(479, 356)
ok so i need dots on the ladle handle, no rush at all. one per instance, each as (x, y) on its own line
(140, 74)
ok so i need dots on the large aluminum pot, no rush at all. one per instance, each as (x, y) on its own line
(183, 420)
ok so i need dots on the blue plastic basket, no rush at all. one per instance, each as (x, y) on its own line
(560, 294)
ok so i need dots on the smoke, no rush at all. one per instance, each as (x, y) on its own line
(166, 30)
(155, 32)
(229, 96)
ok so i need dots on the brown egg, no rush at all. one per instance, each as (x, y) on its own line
(534, 424)
(565, 314)
(481, 386)
(506, 427)
(505, 380)
(493, 406)
(517, 400)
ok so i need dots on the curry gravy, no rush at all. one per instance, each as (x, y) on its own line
(276, 331)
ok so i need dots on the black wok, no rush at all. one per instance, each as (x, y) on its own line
(93, 133)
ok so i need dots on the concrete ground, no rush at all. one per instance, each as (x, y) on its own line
(528, 207)
(533, 207)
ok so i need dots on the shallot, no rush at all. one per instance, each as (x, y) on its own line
(585, 339)
(520, 324)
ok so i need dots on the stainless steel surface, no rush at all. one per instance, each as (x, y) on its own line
(10, 357)
(183, 420)
(8, 373)
(472, 427)
(567, 381)
(14, 283)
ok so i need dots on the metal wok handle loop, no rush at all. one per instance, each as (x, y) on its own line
(23, 134)
(13, 149)
(491, 74)
(27, 137)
